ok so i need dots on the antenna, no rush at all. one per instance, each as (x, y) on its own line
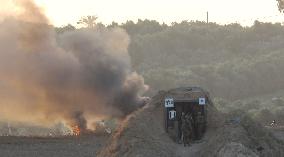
(9, 129)
(207, 16)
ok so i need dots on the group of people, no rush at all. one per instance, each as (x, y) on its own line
(190, 126)
(187, 131)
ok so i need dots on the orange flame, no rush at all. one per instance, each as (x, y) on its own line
(76, 130)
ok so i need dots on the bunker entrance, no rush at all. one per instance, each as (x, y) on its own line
(185, 118)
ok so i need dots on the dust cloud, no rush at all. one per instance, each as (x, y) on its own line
(74, 77)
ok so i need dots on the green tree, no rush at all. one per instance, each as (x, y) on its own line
(113, 25)
(143, 27)
(88, 21)
(63, 29)
(280, 5)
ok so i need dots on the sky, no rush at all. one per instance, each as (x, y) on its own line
(63, 12)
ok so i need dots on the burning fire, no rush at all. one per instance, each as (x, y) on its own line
(76, 130)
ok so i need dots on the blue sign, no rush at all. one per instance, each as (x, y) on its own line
(202, 101)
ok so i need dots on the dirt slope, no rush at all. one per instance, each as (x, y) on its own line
(142, 134)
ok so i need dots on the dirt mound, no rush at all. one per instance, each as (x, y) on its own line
(235, 149)
(241, 136)
(142, 134)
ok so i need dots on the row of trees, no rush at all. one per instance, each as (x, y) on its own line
(231, 61)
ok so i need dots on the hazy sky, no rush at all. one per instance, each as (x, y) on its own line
(62, 12)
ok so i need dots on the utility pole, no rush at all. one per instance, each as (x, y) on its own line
(207, 17)
(9, 129)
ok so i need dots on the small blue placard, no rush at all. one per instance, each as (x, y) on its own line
(202, 101)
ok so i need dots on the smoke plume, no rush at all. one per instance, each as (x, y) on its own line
(74, 77)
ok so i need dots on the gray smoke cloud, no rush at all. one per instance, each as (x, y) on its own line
(75, 76)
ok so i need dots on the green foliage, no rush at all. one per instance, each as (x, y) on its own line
(63, 29)
(88, 21)
(280, 5)
(230, 61)
(142, 27)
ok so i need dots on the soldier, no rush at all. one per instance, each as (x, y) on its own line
(186, 128)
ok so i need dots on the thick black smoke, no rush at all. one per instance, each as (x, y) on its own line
(79, 75)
